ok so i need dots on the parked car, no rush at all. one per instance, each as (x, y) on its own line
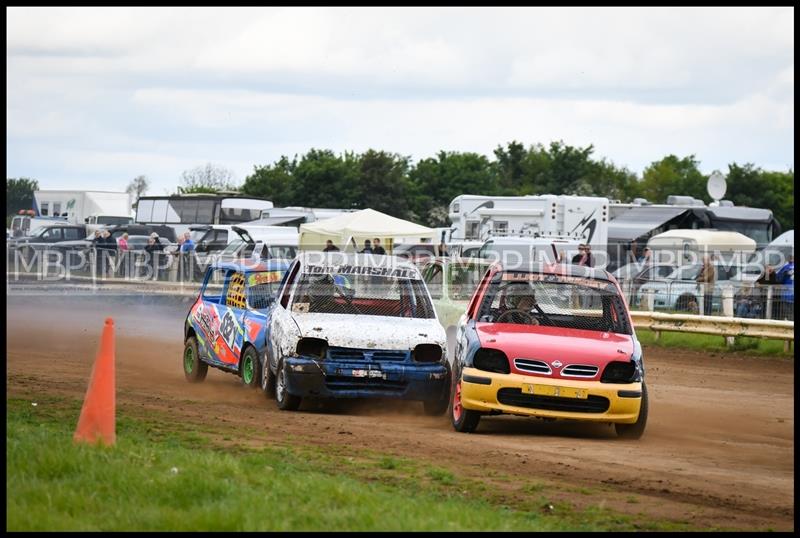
(451, 283)
(226, 326)
(355, 326)
(680, 291)
(212, 239)
(633, 275)
(242, 249)
(43, 238)
(77, 252)
(416, 253)
(553, 342)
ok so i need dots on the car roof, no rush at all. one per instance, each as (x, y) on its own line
(359, 259)
(450, 260)
(563, 269)
(254, 266)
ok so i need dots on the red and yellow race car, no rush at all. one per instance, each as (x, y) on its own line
(553, 341)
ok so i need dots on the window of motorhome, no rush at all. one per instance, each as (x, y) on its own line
(144, 211)
(160, 212)
(45, 209)
(501, 227)
(56, 209)
(473, 228)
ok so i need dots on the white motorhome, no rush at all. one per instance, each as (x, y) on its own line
(518, 252)
(581, 218)
(79, 207)
(683, 247)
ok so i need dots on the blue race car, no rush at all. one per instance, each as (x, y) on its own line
(227, 325)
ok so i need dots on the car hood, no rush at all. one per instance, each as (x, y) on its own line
(570, 346)
(72, 244)
(370, 332)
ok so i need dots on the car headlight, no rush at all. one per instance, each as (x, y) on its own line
(620, 372)
(427, 353)
(491, 360)
(312, 347)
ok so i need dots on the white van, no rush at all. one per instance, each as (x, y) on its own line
(520, 251)
(263, 242)
(681, 247)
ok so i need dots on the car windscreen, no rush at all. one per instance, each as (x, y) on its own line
(556, 301)
(39, 230)
(234, 248)
(464, 279)
(262, 287)
(686, 272)
(362, 294)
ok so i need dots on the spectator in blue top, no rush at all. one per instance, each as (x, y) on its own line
(186, 252)
(785, 278)
(188, 244)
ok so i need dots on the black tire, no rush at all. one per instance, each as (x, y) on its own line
(250, 368)
(285, 401)
(439, 406)
(194, 369)
(464, 420)
(267, 380)
(635, 430)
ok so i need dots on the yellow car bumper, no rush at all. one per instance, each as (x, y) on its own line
(552, 398)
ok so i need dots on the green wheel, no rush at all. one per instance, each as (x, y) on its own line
(194, 369)
(249, 368)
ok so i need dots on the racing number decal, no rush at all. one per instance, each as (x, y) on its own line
(228, 329)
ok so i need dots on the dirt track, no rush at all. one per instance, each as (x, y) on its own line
(718, 449)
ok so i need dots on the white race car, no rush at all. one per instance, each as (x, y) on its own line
(355, 326)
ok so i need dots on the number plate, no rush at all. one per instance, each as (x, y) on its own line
(367, 373)
(554, 390)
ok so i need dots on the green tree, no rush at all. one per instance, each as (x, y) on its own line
(753, 187)
(19, 193)
(436, 181)
(672, 175)
(275, 182)
(383, 183)
(323, 179)
(509, 166)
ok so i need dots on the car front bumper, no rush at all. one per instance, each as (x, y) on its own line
(308, 377)
(507, 393)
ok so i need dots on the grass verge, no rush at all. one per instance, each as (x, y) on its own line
(743, 344)
(164, 474)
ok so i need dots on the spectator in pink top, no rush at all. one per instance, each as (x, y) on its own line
(122, 242)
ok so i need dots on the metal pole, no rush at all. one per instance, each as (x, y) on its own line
(727, 309)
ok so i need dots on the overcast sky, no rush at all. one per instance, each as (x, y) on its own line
(97, 96)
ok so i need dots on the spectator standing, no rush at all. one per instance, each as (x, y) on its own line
(330, 247)
(367, 247)
(187, 254)
(584, 256)
(123, 253)
(154, 249)
(108, 250)
(707, 278)
(785, 278)
(378, 249)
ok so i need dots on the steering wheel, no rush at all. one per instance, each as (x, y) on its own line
(530, 319)
(341, 291)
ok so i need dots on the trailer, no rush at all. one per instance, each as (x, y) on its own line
(83, 207)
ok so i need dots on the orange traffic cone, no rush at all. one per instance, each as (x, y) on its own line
(97, 420)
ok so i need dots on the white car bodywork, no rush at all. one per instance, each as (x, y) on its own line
(288, 323)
